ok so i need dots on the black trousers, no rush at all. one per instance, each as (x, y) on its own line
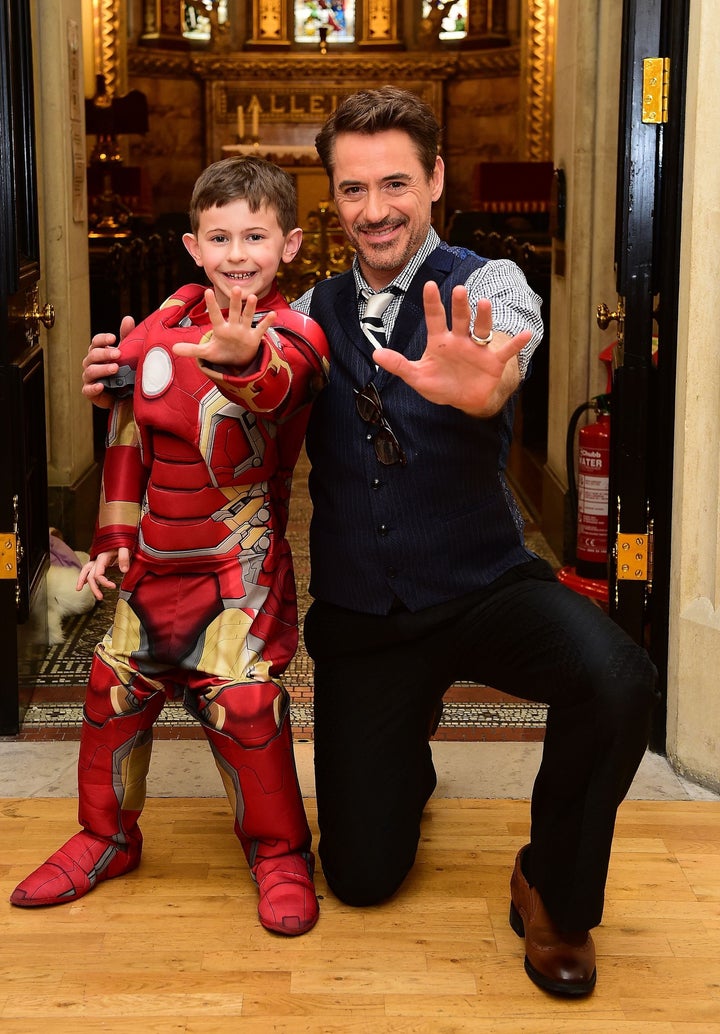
(379, 680)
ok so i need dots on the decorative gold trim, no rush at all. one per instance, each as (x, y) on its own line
(146, 61)
(107, 35)
(538, 63)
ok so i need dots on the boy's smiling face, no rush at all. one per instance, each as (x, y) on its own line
(240, 248)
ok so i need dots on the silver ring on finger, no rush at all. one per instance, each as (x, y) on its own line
(481, 340)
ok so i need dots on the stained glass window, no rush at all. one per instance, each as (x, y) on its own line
(335, 17)
(454, 21)
(197, 17)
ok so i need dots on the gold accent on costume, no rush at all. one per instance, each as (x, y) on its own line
(227, 650)
(118, 512)
(134, 774)
(122, 429)
(123, 639)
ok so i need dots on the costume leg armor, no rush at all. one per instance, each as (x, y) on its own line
(115, 749)
(248, 726)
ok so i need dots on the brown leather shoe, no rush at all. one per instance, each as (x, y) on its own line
(560, 962)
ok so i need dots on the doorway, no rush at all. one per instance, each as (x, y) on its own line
(23, 474)
(647, 255)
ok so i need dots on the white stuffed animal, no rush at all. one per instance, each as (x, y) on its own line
(63, 599)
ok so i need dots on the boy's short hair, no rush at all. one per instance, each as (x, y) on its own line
(255, 180)
(373, 111)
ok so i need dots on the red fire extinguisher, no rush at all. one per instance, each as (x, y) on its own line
(589, 495)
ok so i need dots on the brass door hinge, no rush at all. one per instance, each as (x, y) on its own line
(8, 555)
(11, 553)
(656, 87)
(634, 556)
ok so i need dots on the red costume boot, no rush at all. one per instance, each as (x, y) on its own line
(248, 727)
(112, 769)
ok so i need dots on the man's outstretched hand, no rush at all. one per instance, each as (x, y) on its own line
(454, 370)
(102, 361)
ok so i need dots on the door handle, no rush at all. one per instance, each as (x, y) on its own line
(46, 315)
(605, 317)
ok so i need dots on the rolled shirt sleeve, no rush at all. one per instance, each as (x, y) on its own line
(515, 306)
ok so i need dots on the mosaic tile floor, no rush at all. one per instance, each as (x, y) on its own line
(471, 712)
(456, 716)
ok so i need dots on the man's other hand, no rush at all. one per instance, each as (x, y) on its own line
(102, 361)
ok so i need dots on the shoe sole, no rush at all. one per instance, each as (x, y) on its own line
(552, 986)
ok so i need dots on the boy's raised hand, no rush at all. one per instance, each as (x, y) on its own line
(234, 341)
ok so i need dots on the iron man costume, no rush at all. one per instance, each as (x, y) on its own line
(196, 483)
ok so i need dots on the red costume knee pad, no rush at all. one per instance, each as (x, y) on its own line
(251, 713)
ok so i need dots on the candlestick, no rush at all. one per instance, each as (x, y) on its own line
(256, 122)
(240, 123)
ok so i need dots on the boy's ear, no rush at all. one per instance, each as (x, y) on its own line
(292, 244)
(190, 242)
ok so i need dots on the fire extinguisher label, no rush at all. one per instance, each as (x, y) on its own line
(593, 496)
(593, 488)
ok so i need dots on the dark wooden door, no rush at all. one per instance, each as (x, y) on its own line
(646, 254)
(23, 471)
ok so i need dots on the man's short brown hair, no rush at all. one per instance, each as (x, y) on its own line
(373, 111)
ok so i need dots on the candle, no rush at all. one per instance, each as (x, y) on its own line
(240, 122)
(256, 122)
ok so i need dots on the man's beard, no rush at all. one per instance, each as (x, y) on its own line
(385, 255)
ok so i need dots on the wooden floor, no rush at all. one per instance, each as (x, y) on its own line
(176, 946)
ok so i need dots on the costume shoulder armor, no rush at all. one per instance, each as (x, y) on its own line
(305, 334)
(188, 294)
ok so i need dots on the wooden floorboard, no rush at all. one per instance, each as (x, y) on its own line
(176, 946)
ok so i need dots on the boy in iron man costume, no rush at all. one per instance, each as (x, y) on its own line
(194, 506)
